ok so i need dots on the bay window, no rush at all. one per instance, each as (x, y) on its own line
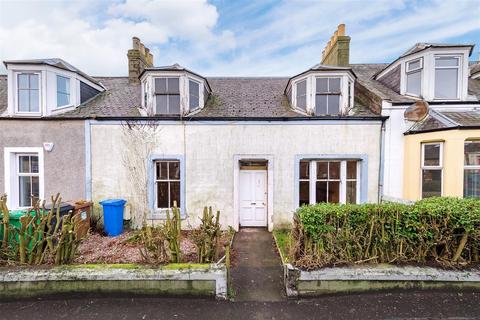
(28, 87)
(471, 175)
(447, 71)
(432, 169)
(414, 76)
(331, 181)
(167, 96)
(327, 97)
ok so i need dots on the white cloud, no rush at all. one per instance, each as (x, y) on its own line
(95, 37)
(253, 38)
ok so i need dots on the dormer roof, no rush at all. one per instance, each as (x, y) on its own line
(53, 62)
(175, 67)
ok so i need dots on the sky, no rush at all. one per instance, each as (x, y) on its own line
(228, 37)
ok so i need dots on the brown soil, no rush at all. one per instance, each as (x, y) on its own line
(102, 249)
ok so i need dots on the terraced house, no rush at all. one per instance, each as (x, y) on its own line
(255, 148)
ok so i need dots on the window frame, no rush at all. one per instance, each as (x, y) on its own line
(297, 95)
(19, 174)
(313, 179)
(199, 93)
(11, 157)
(179, 94)
(69, 104)
(459, 74)
(168, 180)
(17, 92)
(329, 93)
(409, 71)
(429, 167)
(465, 166)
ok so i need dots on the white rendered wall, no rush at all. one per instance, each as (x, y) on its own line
(209, 151)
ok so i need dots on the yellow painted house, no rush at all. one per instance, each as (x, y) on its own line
(442, 156)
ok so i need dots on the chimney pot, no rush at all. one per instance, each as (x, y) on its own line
(341, 29)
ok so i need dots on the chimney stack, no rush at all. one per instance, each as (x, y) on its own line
(337, 50)
(139, 58)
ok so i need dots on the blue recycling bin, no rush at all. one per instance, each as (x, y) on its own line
(113, 216)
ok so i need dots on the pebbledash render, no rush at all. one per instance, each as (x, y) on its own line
(255, 148)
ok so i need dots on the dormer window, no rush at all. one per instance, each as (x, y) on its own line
(302, 94)
(28, 93)
(327, 98)
(167, 96)
(194, 94)
(446, 77)
(414, 76)
(63, 91)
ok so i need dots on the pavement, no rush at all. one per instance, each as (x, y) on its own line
(257, 281)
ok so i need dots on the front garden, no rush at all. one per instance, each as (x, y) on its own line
(163, 256)
(345, 248)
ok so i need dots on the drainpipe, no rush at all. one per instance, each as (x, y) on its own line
(382, 162)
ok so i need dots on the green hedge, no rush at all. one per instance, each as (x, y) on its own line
(435, 231)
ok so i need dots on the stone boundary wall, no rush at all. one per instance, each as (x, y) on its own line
(365, 278)
(192, 279)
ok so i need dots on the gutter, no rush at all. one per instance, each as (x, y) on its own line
(442, 129)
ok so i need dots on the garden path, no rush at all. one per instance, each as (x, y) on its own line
(257, 273)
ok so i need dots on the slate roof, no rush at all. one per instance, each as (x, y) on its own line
(445, 120)
(54, 62)
(365, 74)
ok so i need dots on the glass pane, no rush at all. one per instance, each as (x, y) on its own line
(174, 170)
(446, 83)
(34, 81)
(304, 197)
(174, 104)
(304, 169)
(334, 191)
(471, 183)
(24, 164)
(173, 85)
(34, 164)
(301, 88)
(160, 85)
(161, 104)
(34, 103)
(351, 192)
(321, 191)
(25, 187)
(175, 193)
(23, 100)
(446, 62)
(322, 85)
(162, 170)
(333, 104)
(23, 80)
(321, 104)
(193, 101)
(36, 187)
(194, 88)
(302, 102)
(431, 183)
(431, 155)
(334, 170)
(472, 153)
(351, 169)
(322, 170)
(162, 194)
(63, 84)
(334, 85)
(413, 65)
(414, 82)
(62, 99)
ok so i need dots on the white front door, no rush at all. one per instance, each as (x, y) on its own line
(253, 198)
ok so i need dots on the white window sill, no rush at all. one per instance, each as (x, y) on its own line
(63, 108)
(28, 114)
(160, 214)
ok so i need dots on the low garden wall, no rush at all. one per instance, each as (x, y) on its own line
(349, 248)
(190, 279)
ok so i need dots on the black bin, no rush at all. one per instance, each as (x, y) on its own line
(65, 208)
